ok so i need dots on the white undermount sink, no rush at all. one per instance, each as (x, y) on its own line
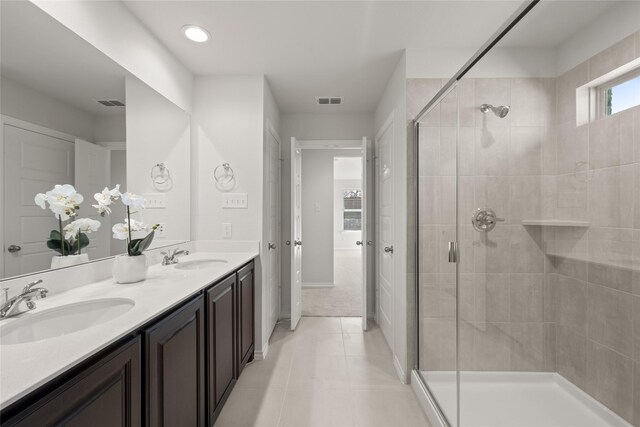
(199, 264)
(63, 320)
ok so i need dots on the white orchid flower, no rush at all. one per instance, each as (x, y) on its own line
(63, 201)
(121, 230)
(81, 225)
(105, 199)
(133, 200)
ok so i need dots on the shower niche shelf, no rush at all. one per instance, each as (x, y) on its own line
(555, 223)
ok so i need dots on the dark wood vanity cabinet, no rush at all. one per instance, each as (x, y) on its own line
(222, 330)
(175, 371)
(105, 394)
(246, 316)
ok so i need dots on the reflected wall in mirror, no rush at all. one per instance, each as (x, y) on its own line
(65, 120)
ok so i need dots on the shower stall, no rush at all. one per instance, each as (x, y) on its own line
(527, 196)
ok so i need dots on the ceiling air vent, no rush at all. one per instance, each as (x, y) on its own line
(329, 100)
(111, 103)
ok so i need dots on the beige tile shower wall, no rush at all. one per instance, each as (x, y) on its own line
(595, 271)
(508, 165)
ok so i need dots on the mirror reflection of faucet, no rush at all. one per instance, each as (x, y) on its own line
(485, 219)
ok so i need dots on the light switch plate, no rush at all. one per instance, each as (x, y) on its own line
(234, 201)
(155, 201)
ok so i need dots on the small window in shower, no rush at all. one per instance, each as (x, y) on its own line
(619, 94)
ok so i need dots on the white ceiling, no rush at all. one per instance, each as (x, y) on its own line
(39, 52)
(341, 48)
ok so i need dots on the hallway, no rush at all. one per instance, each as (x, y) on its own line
(345, 297)
(326, 374)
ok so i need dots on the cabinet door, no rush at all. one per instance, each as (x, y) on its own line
(221, 343)
(175, 368)
(106, 394)
(245, 315)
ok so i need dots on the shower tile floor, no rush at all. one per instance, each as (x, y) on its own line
(518, 399)
(328, 373)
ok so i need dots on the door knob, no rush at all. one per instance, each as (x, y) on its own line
(369, 243)
(14, 248)
(297, 242)
(272, 246)
(359, 243)
(288, 243)
(388, 249)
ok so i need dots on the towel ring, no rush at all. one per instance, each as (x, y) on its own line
(224, 175)
(160, 174)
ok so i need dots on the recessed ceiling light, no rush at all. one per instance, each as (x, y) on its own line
(195, 33)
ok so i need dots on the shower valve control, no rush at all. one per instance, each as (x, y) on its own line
(485, 219)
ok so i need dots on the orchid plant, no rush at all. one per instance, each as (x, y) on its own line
(125, 230)
(64, 201)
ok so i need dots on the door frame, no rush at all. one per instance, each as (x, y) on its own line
(22, 124)
(368, 289)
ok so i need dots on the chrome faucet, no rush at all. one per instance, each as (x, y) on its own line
(170, 256)
(28, 294)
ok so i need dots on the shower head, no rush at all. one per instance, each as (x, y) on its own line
(500, 111)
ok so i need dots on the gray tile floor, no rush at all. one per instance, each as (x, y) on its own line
(326, 374)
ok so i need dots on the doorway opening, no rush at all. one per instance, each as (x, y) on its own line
(332, 226)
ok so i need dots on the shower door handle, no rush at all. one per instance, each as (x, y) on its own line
(453, 252)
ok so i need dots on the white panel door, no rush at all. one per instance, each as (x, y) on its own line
(385, 238)
(33, 163)
(365, 233)
(273, 212)
(93, 172)
(296, 233)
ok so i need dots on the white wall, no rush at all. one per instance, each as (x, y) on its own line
(111, 128)
(317, 217)
(24, 103)
(303, 127)
(115, 31)
(393, 101)
(343, 240)
(227, 127)
(159, 132)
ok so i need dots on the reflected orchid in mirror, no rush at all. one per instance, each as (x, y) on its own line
(75, 233)
(63, 201)
(105, 199)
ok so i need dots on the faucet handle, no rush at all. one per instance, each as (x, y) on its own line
(31, 285)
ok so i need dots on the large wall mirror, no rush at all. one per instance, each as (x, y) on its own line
(71, 115)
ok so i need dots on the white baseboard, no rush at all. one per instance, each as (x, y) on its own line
(318, 285)
(261, 355)
(401, 374)
(426, 402)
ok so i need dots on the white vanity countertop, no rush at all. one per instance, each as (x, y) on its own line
(27, 366)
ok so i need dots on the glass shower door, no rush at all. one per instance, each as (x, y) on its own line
(437, 231)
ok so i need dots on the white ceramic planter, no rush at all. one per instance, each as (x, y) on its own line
(130, 269)
(59, 261)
